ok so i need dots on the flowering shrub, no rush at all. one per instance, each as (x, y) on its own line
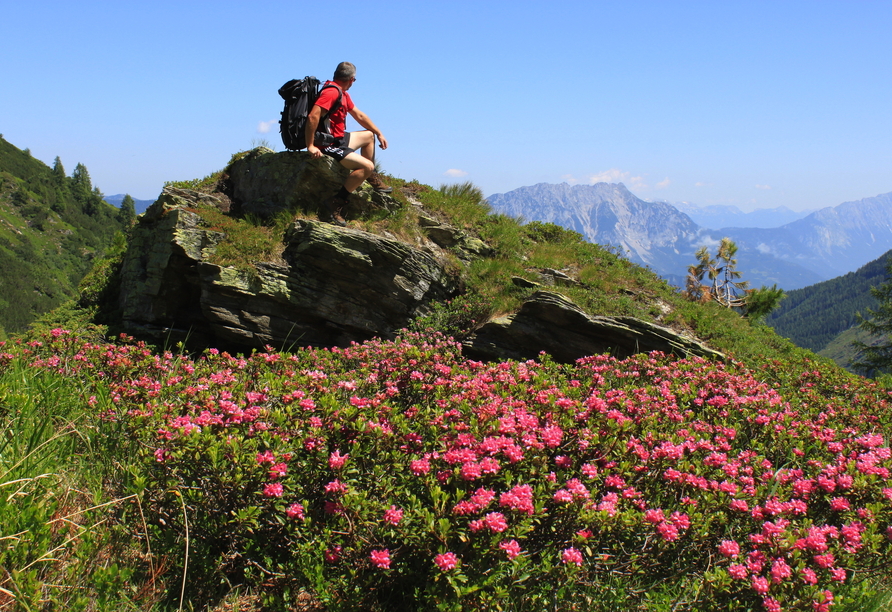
(399, 475)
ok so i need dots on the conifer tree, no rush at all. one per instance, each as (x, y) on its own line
(722, 273)
(58, 171)
(724, 285)
(127, 212)
(81, 186)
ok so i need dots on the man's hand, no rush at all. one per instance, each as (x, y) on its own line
(382, 142)
(314, 151)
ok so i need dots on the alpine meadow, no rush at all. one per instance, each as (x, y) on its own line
(169, 442)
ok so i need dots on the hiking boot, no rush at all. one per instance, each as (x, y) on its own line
(377, 184)
(335, 207)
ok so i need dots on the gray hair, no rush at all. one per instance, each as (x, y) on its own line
(344, 72)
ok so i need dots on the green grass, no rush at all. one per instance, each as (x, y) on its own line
(59, 545)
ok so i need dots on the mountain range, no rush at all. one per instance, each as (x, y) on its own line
(722, 215)
(139, 205)
(822, 245)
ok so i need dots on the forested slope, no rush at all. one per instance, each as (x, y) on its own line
(52, 227)
(813, 316)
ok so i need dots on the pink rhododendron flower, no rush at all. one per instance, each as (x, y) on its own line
(780, 571)
(809, 576)
(332, 554)
(393, 515)
(335, 486)
(446, 561)
(278, 470)
(496, 522)
(771, 605)
(824, 602)
(729, 548)
(737, 571)
(838, 574)
(824, 561)
(381, 558)
(760, 584)
(571, 555)
(273, 489)
(295, 510)
(563, 496)
(668, 531)
(840, 504)
(511, 548)
(420, 467)
(654, 516)
(519, 498)
(336, 460)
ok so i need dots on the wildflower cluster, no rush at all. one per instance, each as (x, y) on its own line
(400, 469)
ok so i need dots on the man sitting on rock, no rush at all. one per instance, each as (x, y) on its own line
(343, 145)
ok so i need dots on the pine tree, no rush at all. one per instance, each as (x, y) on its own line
(127, 212)
(722, 272)
(724, 286)
(58, 171)
(877, 356)
(81, 186)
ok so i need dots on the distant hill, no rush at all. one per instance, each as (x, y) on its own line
(52, 227)
(815, 317)
(818, 247)
(654, 234)
(718, 216)
(141, 205)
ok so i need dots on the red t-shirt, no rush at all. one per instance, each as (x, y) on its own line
(338, 119)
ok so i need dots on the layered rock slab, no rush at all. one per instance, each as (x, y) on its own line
(550, 322)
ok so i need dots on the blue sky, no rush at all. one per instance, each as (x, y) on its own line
(755, 104)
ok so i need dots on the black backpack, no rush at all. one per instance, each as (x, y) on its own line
(300, 96)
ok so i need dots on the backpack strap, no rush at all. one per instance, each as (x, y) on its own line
(334, 107)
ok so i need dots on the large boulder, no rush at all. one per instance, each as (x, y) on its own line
(333, 286)
(264, 184)
(550, 322)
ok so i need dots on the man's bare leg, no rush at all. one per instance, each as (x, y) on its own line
(360, 169)
(364, 142)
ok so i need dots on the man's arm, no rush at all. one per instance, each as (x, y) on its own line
(363, 120)
(313, 123)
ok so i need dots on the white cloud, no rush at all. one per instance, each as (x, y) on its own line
(455, 173)
(702, 184)
(664, 183)
(763, 186)
(569, 178)
(610, 176)
(265, 126)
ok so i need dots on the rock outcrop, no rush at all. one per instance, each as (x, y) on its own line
(550, 322)
(330, 286)
(336, 285)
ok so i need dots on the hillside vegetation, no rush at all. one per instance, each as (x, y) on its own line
(52, 228)
(815, 317)
(399, 475)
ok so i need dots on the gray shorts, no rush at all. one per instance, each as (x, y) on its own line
(335, 147)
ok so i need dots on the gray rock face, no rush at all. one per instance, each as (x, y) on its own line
(265, 184)
(337, 284)
(550, 322)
